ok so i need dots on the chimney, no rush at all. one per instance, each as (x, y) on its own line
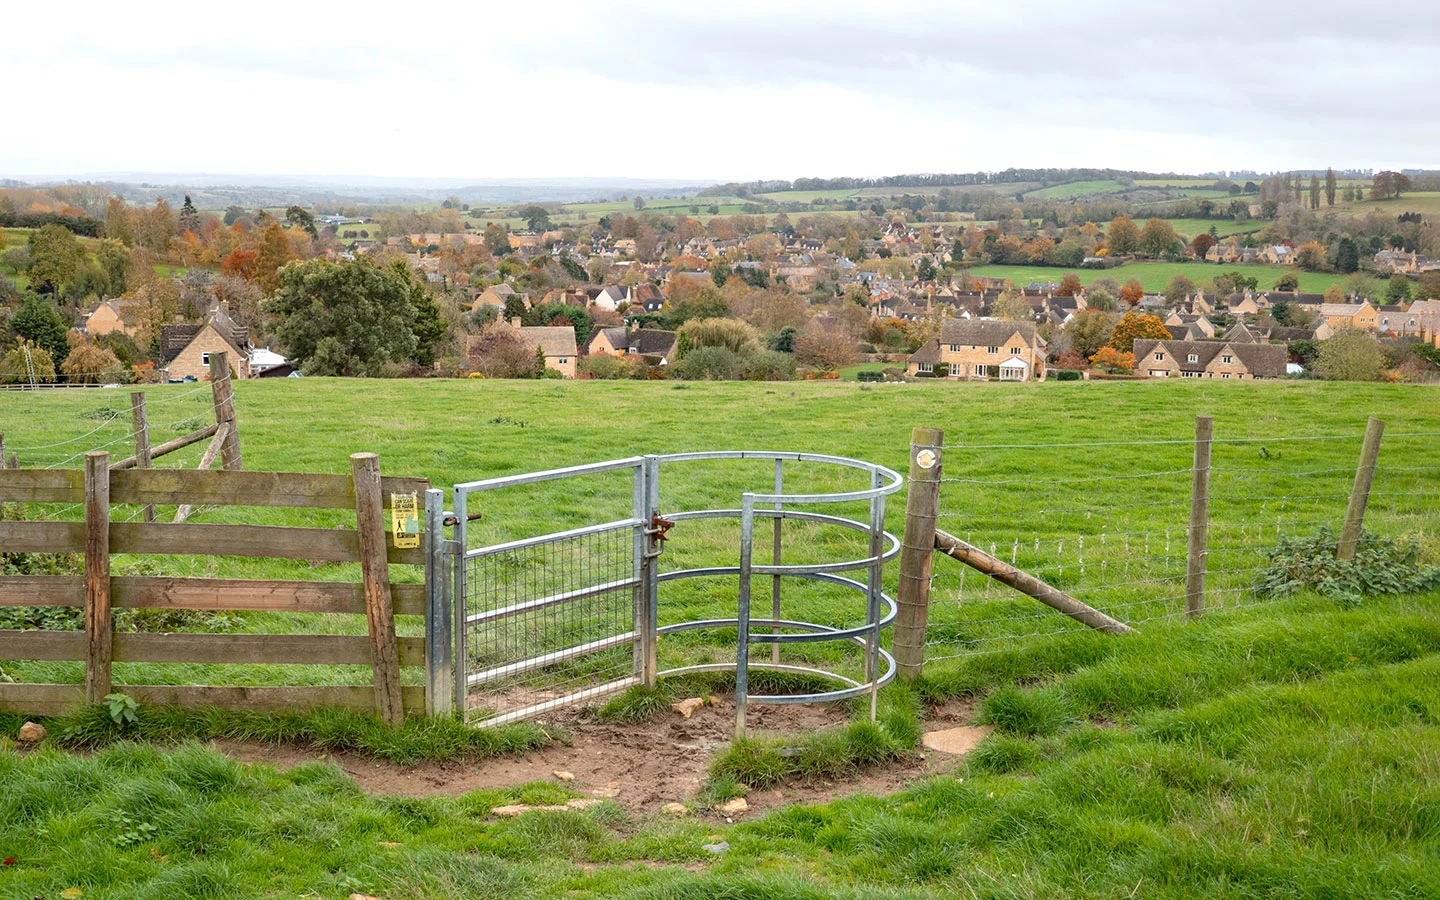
(515, 321)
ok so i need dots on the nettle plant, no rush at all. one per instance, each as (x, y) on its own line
(1381, 566)
(122, 708)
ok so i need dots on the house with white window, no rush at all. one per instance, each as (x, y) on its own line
(1224, 360)
(982, 350)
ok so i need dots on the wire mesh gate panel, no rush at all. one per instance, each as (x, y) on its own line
(520, 626)
(553, 619)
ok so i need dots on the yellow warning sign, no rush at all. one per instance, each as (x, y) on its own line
(405, 520)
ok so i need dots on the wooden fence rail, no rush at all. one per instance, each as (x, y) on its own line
(97, 592)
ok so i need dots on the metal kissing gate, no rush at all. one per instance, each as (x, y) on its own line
(519, 628)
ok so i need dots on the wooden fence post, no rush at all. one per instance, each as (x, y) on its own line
(917, 552)
(142, 441)
(370, 523)
(220, 390)
(98, 623)
(1360, 493)
(1199, 533)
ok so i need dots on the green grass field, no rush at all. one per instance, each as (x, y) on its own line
(1075, 189)
(1188, 228)
(1155, 276)
(810, 196)
(1284, 749)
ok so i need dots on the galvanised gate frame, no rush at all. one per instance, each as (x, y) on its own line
(492, 633)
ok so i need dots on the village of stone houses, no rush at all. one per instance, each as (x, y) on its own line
(987, 278)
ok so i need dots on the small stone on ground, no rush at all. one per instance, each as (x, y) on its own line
(32, 732)
(730, 807)
(717, 849)
(675, 809)
(957, 741)
(565, 776)
(688, 706)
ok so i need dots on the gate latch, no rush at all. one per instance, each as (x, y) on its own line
(455, 520)
(659, 529)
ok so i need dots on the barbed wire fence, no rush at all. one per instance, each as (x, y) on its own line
(1109, 524)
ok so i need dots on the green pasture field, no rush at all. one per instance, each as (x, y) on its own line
(1277, 749)
(1188, 228)
(593, 212)
(1427, 203)
(1075, 189)
(1155, 276)
(810, 196)
(1006, 189)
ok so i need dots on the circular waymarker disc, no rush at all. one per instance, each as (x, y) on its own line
(925, 459)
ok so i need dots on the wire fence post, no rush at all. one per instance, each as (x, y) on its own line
(224, 399)
(375, 572)
(1199, 531)
(1360, 492)
(917, 552)
(142, 441)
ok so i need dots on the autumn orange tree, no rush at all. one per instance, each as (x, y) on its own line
(1132, 292)
(1112, 360)
(1310, 256)
(1135, 326)
(275, 251)
(1202, 244)
(1070, 285)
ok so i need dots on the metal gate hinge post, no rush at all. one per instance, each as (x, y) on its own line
(452, 547)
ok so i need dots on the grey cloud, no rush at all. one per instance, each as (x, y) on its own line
(1229, 69)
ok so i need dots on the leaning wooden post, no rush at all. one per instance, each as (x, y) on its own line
(380, 614)
(917, 552)
(1360, 493)
(98, 624)
(1027, 584)
(1199, 533)
(142, 441)
(225, 409)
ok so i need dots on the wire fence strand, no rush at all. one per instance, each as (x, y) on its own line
(1115, 536)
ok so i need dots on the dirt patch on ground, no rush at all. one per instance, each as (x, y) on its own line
(642, 767)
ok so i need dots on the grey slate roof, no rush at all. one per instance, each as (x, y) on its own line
(1263, 360)
(986, 332)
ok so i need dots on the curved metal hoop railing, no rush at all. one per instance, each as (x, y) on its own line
(880, 608)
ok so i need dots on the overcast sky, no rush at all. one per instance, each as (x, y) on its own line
(714, 91)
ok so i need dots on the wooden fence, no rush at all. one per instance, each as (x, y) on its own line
(98, 592)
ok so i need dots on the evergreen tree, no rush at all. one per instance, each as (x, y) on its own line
(1347, 256)
(39, 322)
(1329, 187)
(189, 217)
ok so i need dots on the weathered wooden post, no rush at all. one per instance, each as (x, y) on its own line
(1360, 493)
(142, 441)
(220, 390)
(1199, 532)
(98, 624)
(917, 552)
(375, 570)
